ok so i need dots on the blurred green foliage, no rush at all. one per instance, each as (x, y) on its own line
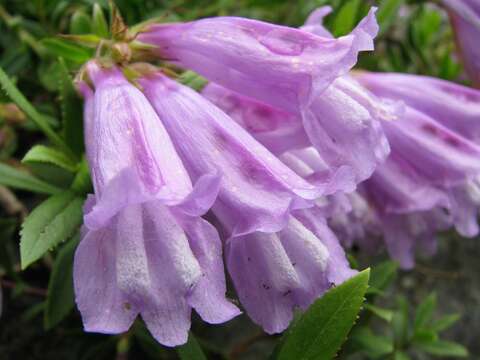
(40, 322)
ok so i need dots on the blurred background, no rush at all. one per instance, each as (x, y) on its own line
(415, 37)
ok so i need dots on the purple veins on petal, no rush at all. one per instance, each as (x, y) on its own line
(275, 273)
(257, 191)
(280, 66)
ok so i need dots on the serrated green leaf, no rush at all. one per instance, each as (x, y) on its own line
(321, 330)
(346, 18)
(444, 348)
(53, 221)
(82, 184)
(99, 23)
(72, 115)
(18, 98)
(44, 154)
(60, 298)
(444, 323)
(191, 350)
(61, 48)
(17, 179)
(384, 314)
(425, 311)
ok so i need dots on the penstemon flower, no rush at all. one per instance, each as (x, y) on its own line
(145, 249)
(276, 262)
(452, 105)
(465, 19)
(280, 66)
(257, 191)
(342, 123)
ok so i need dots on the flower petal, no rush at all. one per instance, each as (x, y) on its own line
(257, 191)
(280, 66)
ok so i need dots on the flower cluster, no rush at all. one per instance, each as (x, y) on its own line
(283, 157)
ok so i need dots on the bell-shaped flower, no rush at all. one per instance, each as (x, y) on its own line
(284, 67)
(452, 105)
(342, 123)
(428, 184)
(465, 19)
(257, 191)
(276, 273)
(144, 249)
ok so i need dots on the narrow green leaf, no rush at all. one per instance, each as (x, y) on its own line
(80, 23)
(18, 98)
(61, 48)
(99, 24)
(53, 221)
(424, 311)
(383, 274)
(72, 116)
(321, 330)
(445, 322)
(82, 184)
(60, 298)
(375, 346)
(384, 314)
(191, 350)
(346, 18)
(193, 80)
(444, 348)
(387, 13)
(422, 336)
(400, 322)
(9, 176)
(400, 355)
(44, 154)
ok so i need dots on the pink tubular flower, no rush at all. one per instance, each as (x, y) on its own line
(278, 256)
(342, 123)
(430, 180)
(257, 191)
(452, 105)
(465, 19)
(275, 273)
(284, 67)
(144, 249)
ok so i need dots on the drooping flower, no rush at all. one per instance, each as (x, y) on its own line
(278, 256)
(284, 67)
(430, 180)
(257, 191)
(144, 249)
(275, 273)
(465, 19)
(452, 105)
(342, 123)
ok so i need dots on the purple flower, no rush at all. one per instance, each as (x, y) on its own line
(279, 252)
(430, 180)
(342, 122)
(465, 19)
(284, 67)
(454, 106)
(257, 191)
(144, 248)
(275, 273)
